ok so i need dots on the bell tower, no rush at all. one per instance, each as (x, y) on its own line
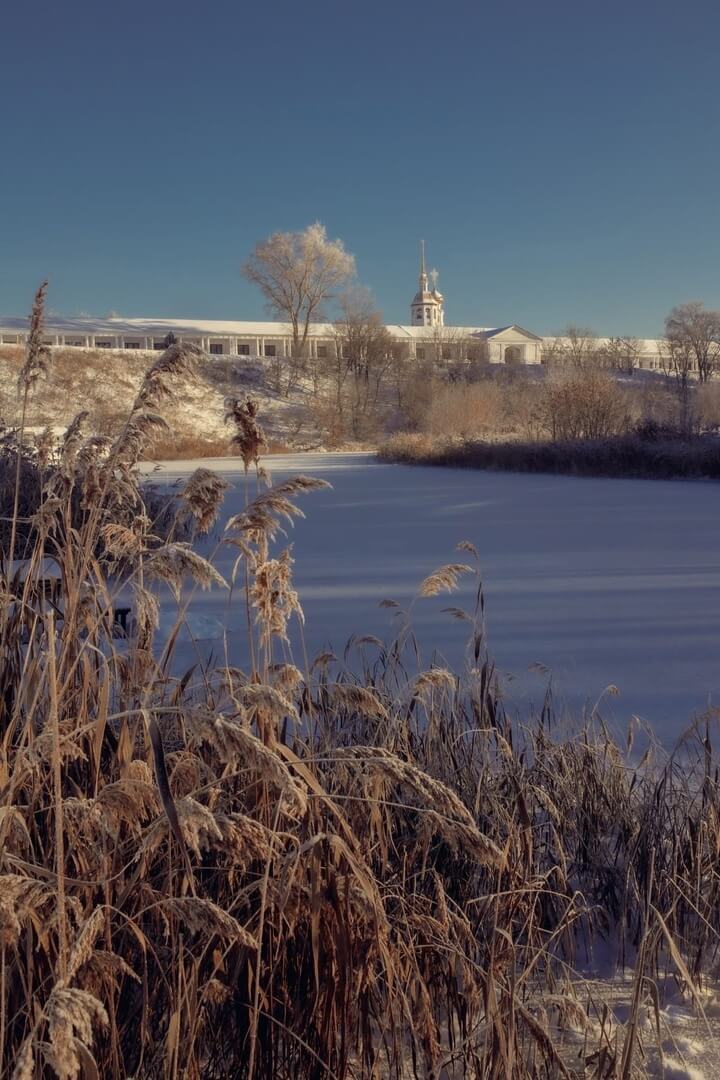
(426, 308)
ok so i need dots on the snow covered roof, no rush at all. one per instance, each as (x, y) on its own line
(115, 324)
(512, 327)
(450, 332)
(645, 346)
(424, 332)
(159, 327)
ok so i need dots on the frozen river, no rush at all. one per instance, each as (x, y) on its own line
(600, 581)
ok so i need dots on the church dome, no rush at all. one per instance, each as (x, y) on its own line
(427, 304)
(424, 297)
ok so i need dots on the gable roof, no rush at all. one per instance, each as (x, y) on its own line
(518, 330)
(426, 333)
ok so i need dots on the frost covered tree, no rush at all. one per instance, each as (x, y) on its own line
(298, 273)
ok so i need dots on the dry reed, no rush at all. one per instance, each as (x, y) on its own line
(282, 874)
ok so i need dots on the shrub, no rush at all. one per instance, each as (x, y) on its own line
(707, 405)
(626, 455)
(652, 430)
(184, 447)
(465, 410)
(585, 404)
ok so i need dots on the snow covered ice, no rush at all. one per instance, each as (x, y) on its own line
(600, 581)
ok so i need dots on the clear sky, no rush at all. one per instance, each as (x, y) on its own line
(560, 159)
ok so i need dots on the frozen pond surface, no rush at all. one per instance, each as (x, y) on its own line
(601, 581)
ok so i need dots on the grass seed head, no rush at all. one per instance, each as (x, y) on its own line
(72, 1016)
(174, 563)
(202, 495)
(37, 354)
(444, 579)
(249, 437)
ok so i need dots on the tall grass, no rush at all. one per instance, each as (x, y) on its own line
(320, 871)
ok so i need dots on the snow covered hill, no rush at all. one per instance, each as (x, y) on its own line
(104, 382)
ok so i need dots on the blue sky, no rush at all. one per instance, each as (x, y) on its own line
(561, 160)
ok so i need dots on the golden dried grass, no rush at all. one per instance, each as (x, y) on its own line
(396, 882)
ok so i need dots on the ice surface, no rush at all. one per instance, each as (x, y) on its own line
(602, 581)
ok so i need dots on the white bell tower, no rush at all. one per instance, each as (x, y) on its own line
(427, 305)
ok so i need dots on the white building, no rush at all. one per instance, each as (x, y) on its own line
(506, 344)
(426, 338)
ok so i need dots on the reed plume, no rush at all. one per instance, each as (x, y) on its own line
(36, 365)
(249, 437)
(202, 495)
(37, 354)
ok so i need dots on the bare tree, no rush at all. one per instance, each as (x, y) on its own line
(455, 350)
(619, 354)
(679, 362)
(581, 344)
(363, 350)
(691, 329)
(362, 331)
(352, 375)
(553, 352)
(298, 273)
(575, 347)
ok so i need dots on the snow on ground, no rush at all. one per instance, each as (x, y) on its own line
(678, 1041)
(105, 381)
(601, 581)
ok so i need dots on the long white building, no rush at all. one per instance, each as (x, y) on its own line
(506, 344)
(426, 337)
